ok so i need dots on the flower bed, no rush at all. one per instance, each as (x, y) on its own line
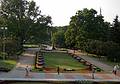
(39, 61)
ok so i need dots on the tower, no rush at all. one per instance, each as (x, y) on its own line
(100, 12)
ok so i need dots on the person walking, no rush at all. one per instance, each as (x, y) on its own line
(27, 71)
(58, 70)
(116, 67)
(93, 73)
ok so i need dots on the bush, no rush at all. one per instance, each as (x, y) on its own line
(113, 51)
(7, 65)
(98, 69)
(108, 49)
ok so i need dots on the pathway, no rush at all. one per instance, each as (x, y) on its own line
(105, 67)
(64, 77)
(27, 59)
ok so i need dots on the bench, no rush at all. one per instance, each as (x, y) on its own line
(69, 69)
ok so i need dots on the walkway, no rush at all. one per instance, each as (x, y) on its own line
(64, 77)
(27, 59)
(93, 61)
(18, 73)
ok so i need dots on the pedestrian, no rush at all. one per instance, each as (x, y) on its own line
(116, 67)
(93, 73)
(27, 71)
(58, 70)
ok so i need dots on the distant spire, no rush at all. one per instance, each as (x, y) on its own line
(116, 16)
(100, 12)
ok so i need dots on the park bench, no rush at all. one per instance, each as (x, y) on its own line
(69, 69)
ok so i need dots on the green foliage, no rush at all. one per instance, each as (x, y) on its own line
(86, 24)
(112, 51)
(88, 31)
(24, 23)
(7, 64)
(115, 31)
(24, 20)
(58, 38)
(11, 47)
(100, 48)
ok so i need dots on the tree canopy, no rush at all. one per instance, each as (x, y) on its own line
(24, 19)
(86, 24)
(24, 23)
(89, 32)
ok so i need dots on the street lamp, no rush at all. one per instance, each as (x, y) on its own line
(4, 38)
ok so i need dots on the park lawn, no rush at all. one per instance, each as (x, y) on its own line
(63, 60)
(7, 64)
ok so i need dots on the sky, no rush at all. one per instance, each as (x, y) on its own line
(62, 10)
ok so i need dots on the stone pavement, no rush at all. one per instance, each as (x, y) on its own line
(63, 76)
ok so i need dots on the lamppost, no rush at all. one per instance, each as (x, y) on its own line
(4, 38)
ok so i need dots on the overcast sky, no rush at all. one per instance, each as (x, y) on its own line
(62, 10)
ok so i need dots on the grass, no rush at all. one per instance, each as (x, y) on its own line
(63, 60)
(7, 64)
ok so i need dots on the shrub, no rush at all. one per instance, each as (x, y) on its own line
(109, 49)
(7, 65)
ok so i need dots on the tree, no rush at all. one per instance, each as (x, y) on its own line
(23, 18)
(115, 31)
(24, 22)
(58, 38)
(86, 24)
